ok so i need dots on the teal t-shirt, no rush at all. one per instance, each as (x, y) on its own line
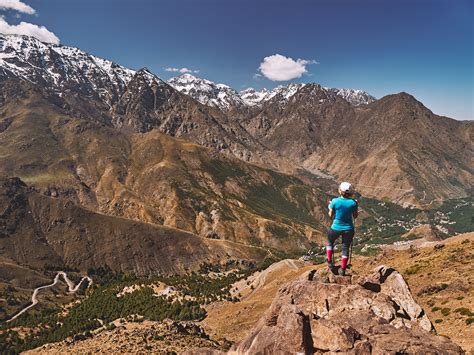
(343, 209)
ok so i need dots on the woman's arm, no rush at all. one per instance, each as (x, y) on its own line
(331, 213)
(355, 214)
(331, 210)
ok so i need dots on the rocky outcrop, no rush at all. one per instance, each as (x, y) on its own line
(321, 313)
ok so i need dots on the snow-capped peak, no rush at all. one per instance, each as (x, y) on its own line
(206, 91)
(353, 96)
(252, 97)
(61, 68)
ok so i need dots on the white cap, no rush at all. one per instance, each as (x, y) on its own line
(345, 187)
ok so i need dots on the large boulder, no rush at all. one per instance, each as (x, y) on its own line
(323, 313)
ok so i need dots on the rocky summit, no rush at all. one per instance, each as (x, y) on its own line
(322, 313)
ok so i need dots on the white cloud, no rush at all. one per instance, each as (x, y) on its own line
(29, 29)
(181, 70)
(16, 5)
(280, 68)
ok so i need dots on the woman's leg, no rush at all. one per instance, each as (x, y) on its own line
(347, 238)
(332, 236)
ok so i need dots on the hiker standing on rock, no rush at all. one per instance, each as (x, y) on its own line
(343, 211)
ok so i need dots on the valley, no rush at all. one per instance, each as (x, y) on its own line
(177, 212)
(225, 306)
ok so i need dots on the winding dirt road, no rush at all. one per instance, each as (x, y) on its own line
(72, 289)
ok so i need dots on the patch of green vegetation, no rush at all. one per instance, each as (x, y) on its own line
(221, 170)
(411, 236)
(469, 321)
(445, 311)
(438, 321)
(459, 298)
(430, 290)
(389, 210)
(101, 302)
(435, 309)
(459, 211)
(368, 250)
(413, 270)
(271, 202)
(464, 311)
(387, 222)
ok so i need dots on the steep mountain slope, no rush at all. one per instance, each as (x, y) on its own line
(152, 177)
(100, 90)
(62, 69)
(38, 230)
(392, 148)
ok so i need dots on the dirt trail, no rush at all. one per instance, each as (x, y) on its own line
(71, 288)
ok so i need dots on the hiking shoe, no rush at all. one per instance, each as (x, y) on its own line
(342, 271)
(331, 267)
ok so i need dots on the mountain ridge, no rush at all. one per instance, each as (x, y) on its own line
(226, 98)
(290, 128)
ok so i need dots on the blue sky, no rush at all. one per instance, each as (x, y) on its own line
(419, 46)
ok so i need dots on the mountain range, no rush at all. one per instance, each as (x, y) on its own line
(226, 98)
(386, 147)
(252, 168)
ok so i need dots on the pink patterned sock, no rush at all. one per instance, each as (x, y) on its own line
(344, 262)
(329, 254)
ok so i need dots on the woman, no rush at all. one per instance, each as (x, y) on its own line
(343, 210)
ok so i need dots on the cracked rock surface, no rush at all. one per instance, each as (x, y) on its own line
(323, 313)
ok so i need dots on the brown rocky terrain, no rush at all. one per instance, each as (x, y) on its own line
(392, 148)
(322, 313)
(135, 337)
(154, 178)
(233, 321)
(39, 230)
(438, 277)
(116, 168)
(375, 310)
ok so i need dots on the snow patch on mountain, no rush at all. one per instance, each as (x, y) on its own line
(207, 92)
(353, 96)
(253, 97)
(62, 68)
